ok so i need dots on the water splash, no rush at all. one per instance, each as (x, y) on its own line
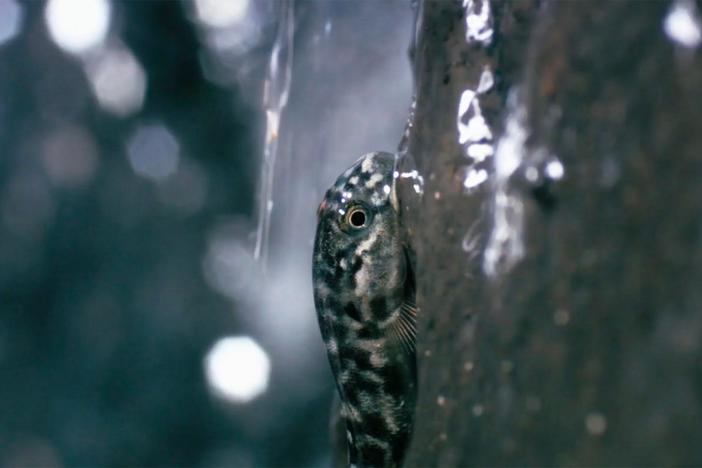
(479, 22)
(505, 245)
(682, 24)
(275, 98)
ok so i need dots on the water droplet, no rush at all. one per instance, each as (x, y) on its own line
(555, 170)
(596, 423)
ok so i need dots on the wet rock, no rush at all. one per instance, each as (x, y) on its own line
(560, 297)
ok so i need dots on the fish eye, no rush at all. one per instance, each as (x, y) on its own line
(357, 217)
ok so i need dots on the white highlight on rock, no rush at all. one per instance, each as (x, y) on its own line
(682, 24)
(480, 151)
(78, 26)
(476, 129)
(475, 178)
(478, 21)
(237, 369)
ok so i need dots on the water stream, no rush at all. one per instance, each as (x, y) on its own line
(275, 98)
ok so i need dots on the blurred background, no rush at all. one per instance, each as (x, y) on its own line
(161, 163)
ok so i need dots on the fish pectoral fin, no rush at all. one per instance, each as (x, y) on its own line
(404, 328)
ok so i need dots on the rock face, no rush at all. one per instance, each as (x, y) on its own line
(560, 263)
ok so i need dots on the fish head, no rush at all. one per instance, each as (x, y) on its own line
(358, 246)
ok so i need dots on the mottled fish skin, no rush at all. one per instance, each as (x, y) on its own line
(364, 296)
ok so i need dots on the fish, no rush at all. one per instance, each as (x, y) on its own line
(364, 294)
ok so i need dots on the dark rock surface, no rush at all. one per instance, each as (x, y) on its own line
(584, 347)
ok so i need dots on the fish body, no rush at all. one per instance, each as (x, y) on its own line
(364, 296)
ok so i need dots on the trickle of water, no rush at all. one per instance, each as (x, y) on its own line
(275, 97)
(505, 245)
(479, 22)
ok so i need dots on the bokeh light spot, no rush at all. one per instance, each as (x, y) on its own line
(10, 18)
(118, 81)
(153, 152)
(70, 156)
(682, 24)
(237, 368)
(220, 14)
(78, 26)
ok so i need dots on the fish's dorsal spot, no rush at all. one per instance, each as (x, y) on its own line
(374, 179)
(367, 164)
